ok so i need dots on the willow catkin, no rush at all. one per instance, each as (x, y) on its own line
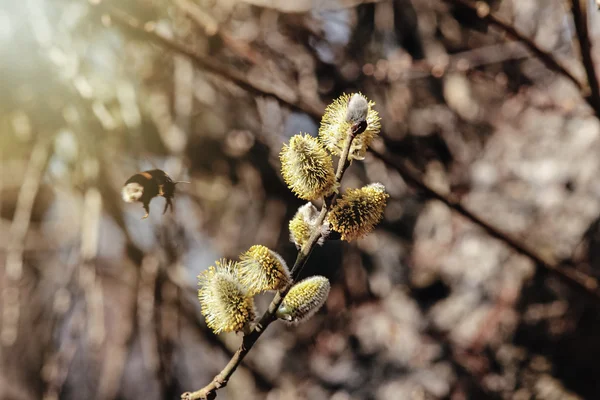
(341, 116)
(304, 299)
(225, 302)
(261, 269)
(307, 168)
(358, 211)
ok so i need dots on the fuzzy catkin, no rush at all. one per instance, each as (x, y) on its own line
(338, 120)
(304, 299)
(358, 109)
(358, 211)
(303, 223)
(261, 269)
(225, 302)
(307, 168)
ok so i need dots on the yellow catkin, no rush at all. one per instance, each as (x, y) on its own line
(304, 299)
(307, 168)
(339, 119)
(226, 304)
(358, 211)
(261, 269)
(300, 231)
(302, 224)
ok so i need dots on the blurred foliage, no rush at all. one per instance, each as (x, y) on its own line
(99, 304)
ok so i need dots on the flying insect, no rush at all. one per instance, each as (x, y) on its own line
(146, 185)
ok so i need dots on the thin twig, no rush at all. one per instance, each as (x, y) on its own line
(590, 90)
(580, 18)
(148, 31)
(589, 285)
(468, 60)
(482, 10)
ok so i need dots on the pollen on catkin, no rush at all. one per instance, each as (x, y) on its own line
(307, 168)
(261, 269)
(304, 299)
(339, 118)
(226, 304)
(303, 224)
(358, 211)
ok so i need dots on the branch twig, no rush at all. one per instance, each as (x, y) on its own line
(483, 11)
(589, 90)
(149, 32)
(574, 278)
(579, 10)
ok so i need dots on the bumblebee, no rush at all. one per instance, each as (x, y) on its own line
(145, 186)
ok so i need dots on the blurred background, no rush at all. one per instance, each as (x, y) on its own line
(96, 303)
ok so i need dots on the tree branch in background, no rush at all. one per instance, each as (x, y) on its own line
(482, 10)
(149, 32)
(18, 231)
(591, 91)
(580, 18)
(573, 278)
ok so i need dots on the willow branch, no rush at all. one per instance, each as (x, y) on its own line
(580, 18)
(248, 341)
(574, 278)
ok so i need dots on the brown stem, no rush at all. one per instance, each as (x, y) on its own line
(148, 32)
(588, 285)
(579, 10)
(482, 10)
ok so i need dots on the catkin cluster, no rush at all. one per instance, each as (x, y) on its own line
(227, 289)
(307, 168)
